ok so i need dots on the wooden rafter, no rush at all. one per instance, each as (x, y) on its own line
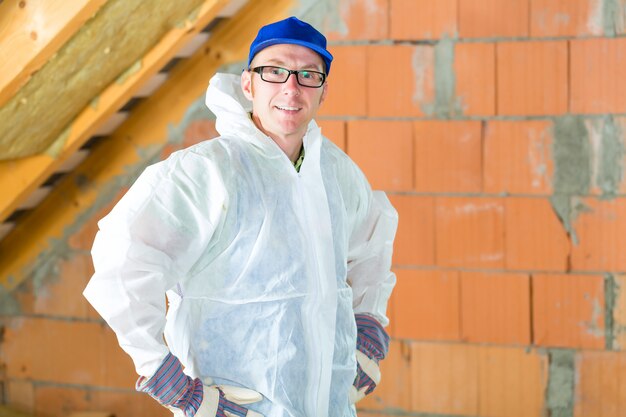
(20, 178)
(78, 193)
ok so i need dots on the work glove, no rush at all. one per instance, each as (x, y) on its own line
(188, 397)
(372, 345)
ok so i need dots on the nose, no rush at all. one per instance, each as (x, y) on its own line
(291, 86)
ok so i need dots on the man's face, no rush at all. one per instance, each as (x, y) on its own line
(283, 111)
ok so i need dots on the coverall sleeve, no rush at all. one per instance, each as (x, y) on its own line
(369, 256)
(144, 247)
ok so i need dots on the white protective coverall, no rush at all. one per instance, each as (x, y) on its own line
(264, 267)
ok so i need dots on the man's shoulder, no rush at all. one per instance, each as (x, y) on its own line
(208, 156)
(340, 159)
(333, 151)
(217, 149)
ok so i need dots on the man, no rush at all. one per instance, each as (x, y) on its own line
(273, 251)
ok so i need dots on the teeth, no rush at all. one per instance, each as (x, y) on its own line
(287, 108)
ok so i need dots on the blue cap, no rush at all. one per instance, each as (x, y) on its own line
(294, 31)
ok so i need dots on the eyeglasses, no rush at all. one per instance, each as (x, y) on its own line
(278, 75)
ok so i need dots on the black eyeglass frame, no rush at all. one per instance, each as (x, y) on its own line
(259, 70)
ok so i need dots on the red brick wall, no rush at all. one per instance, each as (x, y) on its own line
(497, 129)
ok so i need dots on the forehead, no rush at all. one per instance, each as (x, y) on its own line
(289, 55)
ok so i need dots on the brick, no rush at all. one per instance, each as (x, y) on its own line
(61, 295)
(518, 157)
(607, 137)
(58, 401)
(69, 401)
(384, 151)
(535, 238)
(20, 396)
(401, 89)
(619, 313)
(601, 384)
(84, 237)
(475, 72)
(597, 76)
(601, 232)
(199, 131)
(129, 403)
(73, 362)
(565, 18)
(444, 379)
(119, 370)
(448, 156)
(512, 382)
(495, 308)
(469, 232)
(415, 239)
(361, 20)
(394, 390)
(461, 379)
(190, 134)
(532, 78)
(568, 310)
(347, 82)
(335, 130)
(423, 19)
(493, 18)
(426, 305)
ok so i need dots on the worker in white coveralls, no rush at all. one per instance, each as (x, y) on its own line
(273, 250)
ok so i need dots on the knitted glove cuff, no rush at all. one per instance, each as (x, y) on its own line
(372, 340)
(172, 388)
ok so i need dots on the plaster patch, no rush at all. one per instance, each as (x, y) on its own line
(614, 17)
(592, 327)
(595, 24)
(567, 209)
(473, 208)
(233, 67)
(561, 382)
(572, 169)
(611, 294)
(422, 57)
(197, 111)
(538, 156)
(325, 15)
(611, 161)
(618, 301)
(9, 306)
(446, 105)
(47, 265)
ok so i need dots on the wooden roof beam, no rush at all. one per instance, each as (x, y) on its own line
(19, 178)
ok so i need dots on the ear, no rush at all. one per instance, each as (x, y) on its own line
(246, 84)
